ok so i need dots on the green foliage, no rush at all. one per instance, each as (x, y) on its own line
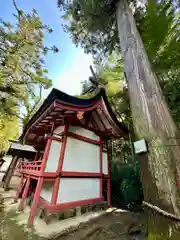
(111, 76)
(32, 102)
(159, 29)
(130, 185)
(125, 180)
(171, 89)
(158, 25)
(9, 130)
(86, 96)
(21, 58)
(92, 25)
(22, 68)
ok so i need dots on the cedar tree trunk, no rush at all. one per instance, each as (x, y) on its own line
(152, 121)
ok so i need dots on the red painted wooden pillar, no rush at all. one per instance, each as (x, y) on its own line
(25, 193)
(109, 192)
(39, 183)
(108, 182)
(59, 168)
(35, 201)
(45, 155)
(55, 190)
(19, 188)
(101, 167)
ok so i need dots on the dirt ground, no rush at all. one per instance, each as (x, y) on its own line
(121, 226)
(117, 225)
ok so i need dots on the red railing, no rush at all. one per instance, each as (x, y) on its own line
(30, 166)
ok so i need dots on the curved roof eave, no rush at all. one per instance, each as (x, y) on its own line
(113, 115)
(57, 95)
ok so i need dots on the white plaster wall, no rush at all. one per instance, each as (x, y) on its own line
(76, 189)
(59, 130)
(53, 158)
(6, 164)
(105, 163)
(81, 156)
(83, 132)
(46, 191)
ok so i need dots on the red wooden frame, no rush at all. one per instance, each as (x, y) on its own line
(108, 182)
(79, 174)
(46, 154)
(82, 138)
(59, 139)
(41, 117)
(39, 183)
(63, 148)
(59, 168)
(25, 193)
(109, 192)
(35, 201)
(19, 188)
(59, 104)
(38, 170)
(42, 176)
(61, 206)
(35, 174)
(101, 167)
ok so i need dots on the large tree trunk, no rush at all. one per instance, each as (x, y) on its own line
(151, 118)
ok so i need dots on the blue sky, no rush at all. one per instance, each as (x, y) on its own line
(70, 66)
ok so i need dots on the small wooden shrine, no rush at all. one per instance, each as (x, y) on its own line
(72, 167)
(15, 154)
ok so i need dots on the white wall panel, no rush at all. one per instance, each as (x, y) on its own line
(81, 156)
(83, 132)
(76, 189)
(53, 158)
(46, 191)
(59, 130)
(7, 159)
(105, 163)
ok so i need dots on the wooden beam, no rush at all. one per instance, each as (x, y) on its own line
(7, 177)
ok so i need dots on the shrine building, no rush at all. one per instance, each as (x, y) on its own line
(71, 164)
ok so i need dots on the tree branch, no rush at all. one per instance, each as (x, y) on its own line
(17, 9)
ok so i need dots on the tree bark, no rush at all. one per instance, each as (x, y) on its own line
(151, 118)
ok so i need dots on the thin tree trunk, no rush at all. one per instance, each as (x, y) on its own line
(151, 118)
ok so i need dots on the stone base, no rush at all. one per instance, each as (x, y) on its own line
(69, 213)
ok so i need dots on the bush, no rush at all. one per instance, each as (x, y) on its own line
(126, 185)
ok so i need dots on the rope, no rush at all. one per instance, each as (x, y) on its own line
(164, 213)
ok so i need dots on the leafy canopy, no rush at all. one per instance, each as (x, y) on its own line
(94, 29)
(22, 53)
(22, 70)
(92, 25)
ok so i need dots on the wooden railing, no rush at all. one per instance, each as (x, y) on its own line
(30, 166)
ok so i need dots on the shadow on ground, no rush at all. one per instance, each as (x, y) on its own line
(9, 228)
(121, 225)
